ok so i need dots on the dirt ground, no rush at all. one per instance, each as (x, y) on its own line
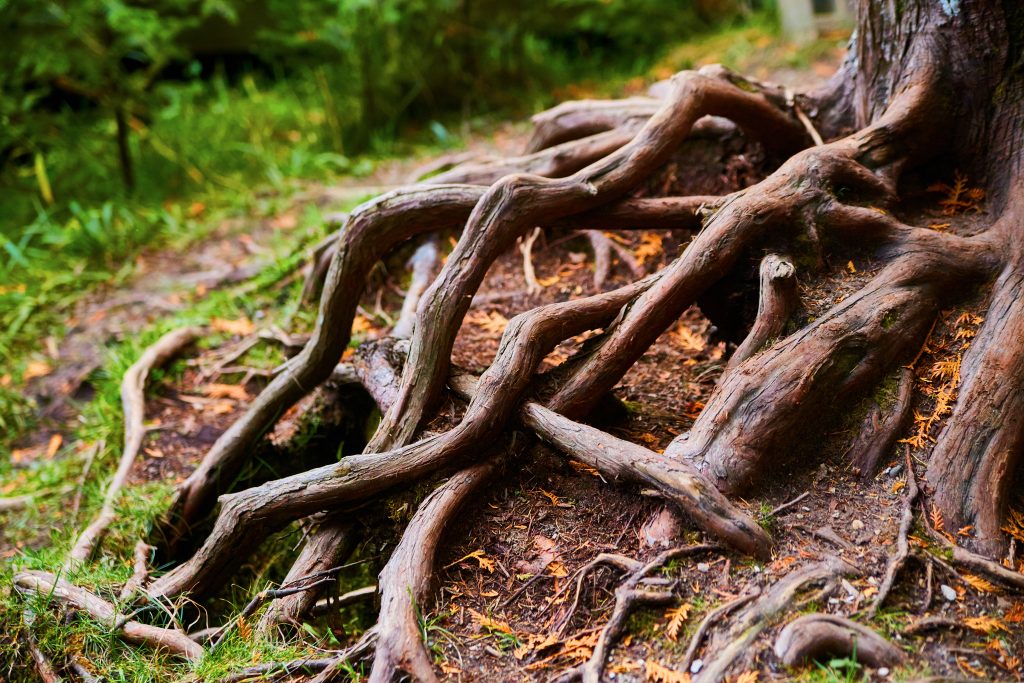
(508, 572)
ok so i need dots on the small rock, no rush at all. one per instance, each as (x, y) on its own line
(856, 525)
(895, 470)
(884, 671)
(697, 665)
(948, 592)
(835, 515)
(703, 567)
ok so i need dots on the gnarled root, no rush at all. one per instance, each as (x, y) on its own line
(818, 636)
(406, 581)
(371, 231)
(518, 203)
(49, 586)
(732, 645)
(247, 516)
(632, 592)
(329, 543)
(776, 302)
(880, 429)
(134, 405)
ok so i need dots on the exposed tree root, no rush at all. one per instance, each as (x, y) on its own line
(47, 585)
(405, 582)
(979, 447)
(424, 264)
(140, 573)
(632, 592)
(246, 517)
(582, 118)
(518, 203)
(732, 645)
(902, 543)
(330, 543)
(879, 431)
(133, 403)
(708, 622)
(778, 299)
(821, 636)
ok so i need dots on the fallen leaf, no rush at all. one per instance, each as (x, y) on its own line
(650, 246)
(36, 368)
(234, 391)
(557, 569)
(240, 327)
(481, 558)
(490, 624)
(492, 322)
(850, 267)
(978, 583)
(662, 674)
(361, 325)
(689, 340)
(985, 624)
(676, 616)
(747, 677)
(54, 445)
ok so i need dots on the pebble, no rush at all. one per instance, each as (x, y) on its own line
(696, 666)
(703, 567)
(856, 525)
(884, 671)
(948, 592)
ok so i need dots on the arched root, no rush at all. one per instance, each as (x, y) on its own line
(424, 264)
(729, 647)
(518, 203)
(133, 403)
(879, 431)
(820, 636)
(50, 587)
(581, 118)
(328, 544)
(776, 302)
(406, 580)
(758, 407)
(247, 517)
(629, 594)
(371, 231)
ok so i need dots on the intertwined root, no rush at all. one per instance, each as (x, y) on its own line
(583, 162)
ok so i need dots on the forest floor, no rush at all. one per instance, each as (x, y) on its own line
(508, 572)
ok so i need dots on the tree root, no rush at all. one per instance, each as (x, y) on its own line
(582, 118)
(140, 573)
(879, 431)
(405, 582)
(603, 248)
(134, 405)
(817, 636)
(247, 516)
(48, 586)
(778, 299)
(629, 594)
(734, 644)
(424, 264)
(329, 544)
(979, 447)
(518, 203)
(902, 545)
(709, 621)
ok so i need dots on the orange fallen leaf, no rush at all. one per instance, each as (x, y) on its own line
(51, 448)
(36, 368)
(240, 327)
(235, 391)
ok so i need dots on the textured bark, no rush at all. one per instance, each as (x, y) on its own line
(778, 299)
(824, 636)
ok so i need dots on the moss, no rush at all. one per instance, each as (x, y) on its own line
(887, 391)
(889, 319)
